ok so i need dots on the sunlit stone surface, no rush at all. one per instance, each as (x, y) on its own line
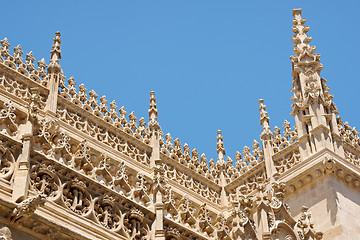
(74, 166)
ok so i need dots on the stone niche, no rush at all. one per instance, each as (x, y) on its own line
(334, 207)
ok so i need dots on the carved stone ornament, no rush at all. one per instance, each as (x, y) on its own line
(7, 161)
(106, 173)
(45, 181)
(5, 234)
(8, 117)
(329, 164)
(27, 207)
(107, 213)
(76, 197)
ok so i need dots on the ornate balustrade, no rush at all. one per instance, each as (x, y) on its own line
(122, 206)
(104, 132)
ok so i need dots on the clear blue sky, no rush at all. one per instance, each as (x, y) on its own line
(208, 61)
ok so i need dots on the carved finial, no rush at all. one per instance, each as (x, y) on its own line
(55, 53)
(113, 108)
(4, 50)
(29, 62)
(153, 113)
(264, 118)
(33, 104)
(41, 68)
(263, 114)
(300, 38)
(103, 102)
(220, 146)
(17, 54)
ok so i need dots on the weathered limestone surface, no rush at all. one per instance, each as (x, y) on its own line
(334, 206)
(74, 166)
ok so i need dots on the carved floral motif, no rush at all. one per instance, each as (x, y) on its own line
(106, 212)
(76, 198)
(44, 180)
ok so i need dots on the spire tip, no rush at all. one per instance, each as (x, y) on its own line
(55, 54)
(296, 11)
(153, 113)
(220, 146)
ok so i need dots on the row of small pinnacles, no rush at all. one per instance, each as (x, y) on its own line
(137, 188)
(350, 136)
(90, 103)
(133, 186)
(81, 157)
(174, 151)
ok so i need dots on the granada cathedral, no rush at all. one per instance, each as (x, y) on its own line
(75, 166)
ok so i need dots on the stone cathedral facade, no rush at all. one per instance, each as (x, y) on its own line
(74, 166)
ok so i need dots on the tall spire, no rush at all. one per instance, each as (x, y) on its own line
(306, 66)
(313, 107)
(55, 54)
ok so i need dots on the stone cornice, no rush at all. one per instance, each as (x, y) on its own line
(323, 162)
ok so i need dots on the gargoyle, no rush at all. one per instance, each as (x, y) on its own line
(27, 207)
